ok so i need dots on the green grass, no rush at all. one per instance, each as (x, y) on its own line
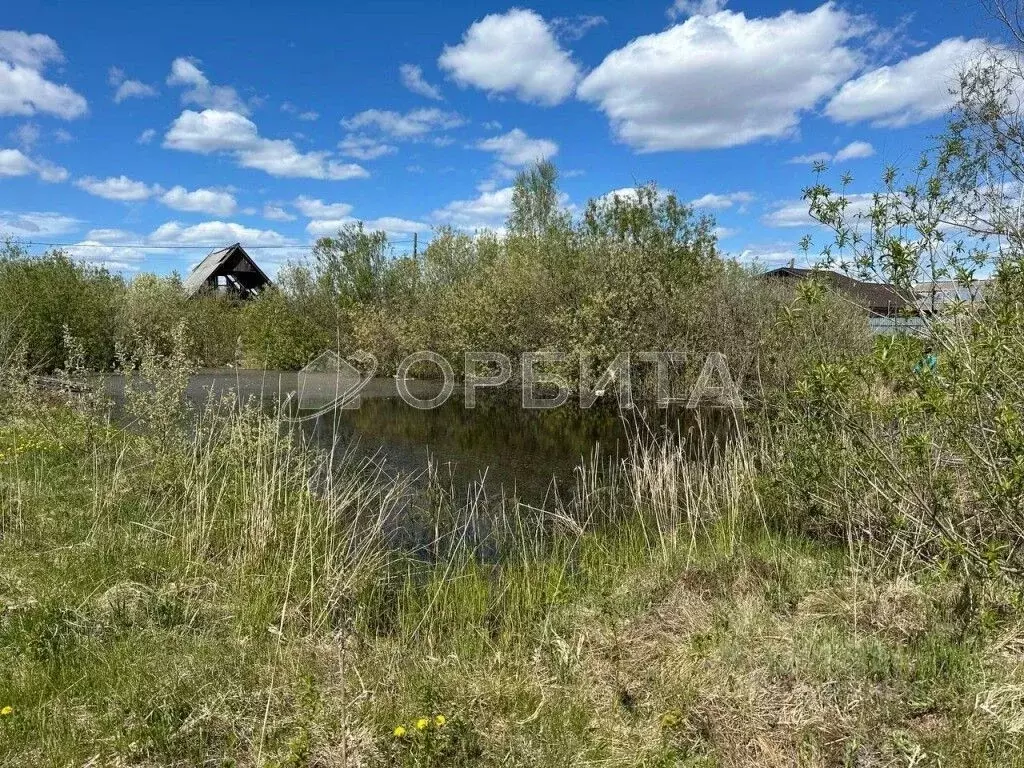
(182, 600)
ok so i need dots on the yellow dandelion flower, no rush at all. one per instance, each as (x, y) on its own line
(8, 710)
(440, 720)
(399, 731)
(422, 723)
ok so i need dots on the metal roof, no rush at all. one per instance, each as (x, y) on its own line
(219, 262)
(879, 298)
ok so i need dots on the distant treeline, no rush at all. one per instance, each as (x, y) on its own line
(635, 272)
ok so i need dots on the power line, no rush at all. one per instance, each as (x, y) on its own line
(148, 247)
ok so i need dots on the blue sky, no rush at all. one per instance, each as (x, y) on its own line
(139, 132)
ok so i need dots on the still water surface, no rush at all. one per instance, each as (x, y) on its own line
(510, 449)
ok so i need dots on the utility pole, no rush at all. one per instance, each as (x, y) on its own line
(415, 245)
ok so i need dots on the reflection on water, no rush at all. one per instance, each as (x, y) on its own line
(515, 451)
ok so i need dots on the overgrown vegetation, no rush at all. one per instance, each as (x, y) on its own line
(636, 272)
(223, 595)
(841, 586)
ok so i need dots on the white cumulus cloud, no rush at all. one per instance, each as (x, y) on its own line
(721, 201)
(273, 212)
(794, 213)
(214, 233)
(33, 51)
(392, 225)
(313, 208)
(855, 150)
(199, 90)
(910, 91)
(489, 210)
(514, 52)
(126, 88)
(14, 162)
(215, 130)
(23, 88)
(36, 223)
(119, 188)
(723, 80)
(515, 148)
(213, 202)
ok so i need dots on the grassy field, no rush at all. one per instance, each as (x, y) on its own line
(225, 597)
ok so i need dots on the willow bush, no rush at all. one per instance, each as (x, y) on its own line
(636, 272)
(916, 447)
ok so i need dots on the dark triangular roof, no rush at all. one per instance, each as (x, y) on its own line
(874, 296)
(231, 261)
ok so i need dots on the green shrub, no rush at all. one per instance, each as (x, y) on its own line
(41, 296)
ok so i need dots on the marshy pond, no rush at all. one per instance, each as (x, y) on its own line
(497, 444)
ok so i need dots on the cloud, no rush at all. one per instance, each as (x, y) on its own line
(412, 78)
(214, 130)
(128, 89)
(771, 256)
(308, 115)
(627, 195)
(120, 249)
(36, 223)
(318, 209)
(209, 201)
(14, 162)
(276, 213)
(515, 52)
(364, 147)
(146, 136)
(911, 91)
(279, 157)
(111, 248)
(719, 202)
(515, 148)
(32, 51)
(119, 188)
(26, 135)
(489, 210)
(412, 124)
(811, 159)
(390, 224)
(213, 233)
(573, 28)
(723, 80)
(794, 213)
(133, 89)
(855, 150)
(199, 90)
(394, 225)
(683, 8)
(23, 89)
